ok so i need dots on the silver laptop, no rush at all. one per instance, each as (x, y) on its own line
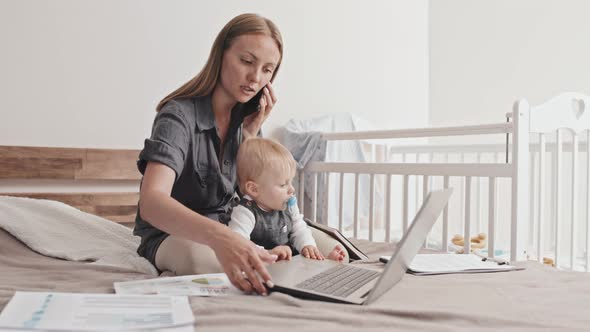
(345, 283)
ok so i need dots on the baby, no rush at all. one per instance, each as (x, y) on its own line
(268, 214)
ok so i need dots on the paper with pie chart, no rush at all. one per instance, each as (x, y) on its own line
(214, 284)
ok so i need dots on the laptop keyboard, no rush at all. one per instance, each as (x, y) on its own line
(341, 280)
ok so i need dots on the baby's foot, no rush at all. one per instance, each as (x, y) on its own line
(337, 254)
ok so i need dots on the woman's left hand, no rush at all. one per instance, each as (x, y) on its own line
(253, 122)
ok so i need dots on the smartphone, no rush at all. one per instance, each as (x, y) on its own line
(253, 105)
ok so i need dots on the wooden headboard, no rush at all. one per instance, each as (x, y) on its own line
(77, 165)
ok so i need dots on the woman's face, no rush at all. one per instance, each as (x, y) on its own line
(248, 65)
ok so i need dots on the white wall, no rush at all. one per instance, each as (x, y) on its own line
(484, 55)
(369, 58)
(89, 73)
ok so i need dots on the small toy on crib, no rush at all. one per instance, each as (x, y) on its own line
(548, 261)
(477, 242)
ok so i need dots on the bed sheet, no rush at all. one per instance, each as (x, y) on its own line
(538, 297)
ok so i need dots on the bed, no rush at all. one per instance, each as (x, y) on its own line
(538, 297)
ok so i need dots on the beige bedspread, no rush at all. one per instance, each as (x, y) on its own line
(538, 297)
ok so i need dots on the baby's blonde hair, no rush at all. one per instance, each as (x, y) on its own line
(258, 155)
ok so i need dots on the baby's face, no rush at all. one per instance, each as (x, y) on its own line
(274, 190)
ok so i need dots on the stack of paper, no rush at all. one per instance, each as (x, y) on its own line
(426, 264)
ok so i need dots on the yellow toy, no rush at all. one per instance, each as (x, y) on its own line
(477, 242)
(548, 261)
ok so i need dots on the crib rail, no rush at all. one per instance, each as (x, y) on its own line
(495, 128)
(432, 169)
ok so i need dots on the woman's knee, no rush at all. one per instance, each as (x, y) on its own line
(185, 257)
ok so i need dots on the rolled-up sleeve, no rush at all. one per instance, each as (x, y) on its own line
(169, 142)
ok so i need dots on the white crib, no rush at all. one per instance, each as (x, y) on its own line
(514, 191)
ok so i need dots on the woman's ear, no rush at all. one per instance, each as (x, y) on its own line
(251, 189)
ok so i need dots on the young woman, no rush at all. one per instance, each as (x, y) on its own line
(188, 163)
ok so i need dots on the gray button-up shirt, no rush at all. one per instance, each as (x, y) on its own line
(184, 137)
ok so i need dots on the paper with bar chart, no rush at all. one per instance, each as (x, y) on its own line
(94, 312)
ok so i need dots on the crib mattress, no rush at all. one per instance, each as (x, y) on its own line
(538, 297)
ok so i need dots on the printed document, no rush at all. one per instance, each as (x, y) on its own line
(426, 264)
(214, 284)
(96, 312)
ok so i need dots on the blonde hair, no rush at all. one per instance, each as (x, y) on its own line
(259, 155)
(206, 80)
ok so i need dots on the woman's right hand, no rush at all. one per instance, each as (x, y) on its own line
(253, 122)
(242, 261)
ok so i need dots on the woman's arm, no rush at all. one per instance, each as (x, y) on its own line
(235, 254)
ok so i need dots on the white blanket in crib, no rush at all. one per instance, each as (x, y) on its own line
(58, 230)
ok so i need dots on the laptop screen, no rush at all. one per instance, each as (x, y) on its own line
(411, 242)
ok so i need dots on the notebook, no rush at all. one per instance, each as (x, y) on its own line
(429, 264)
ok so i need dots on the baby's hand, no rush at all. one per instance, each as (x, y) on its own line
(312, 252)
(337, 254)
(282, 252)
